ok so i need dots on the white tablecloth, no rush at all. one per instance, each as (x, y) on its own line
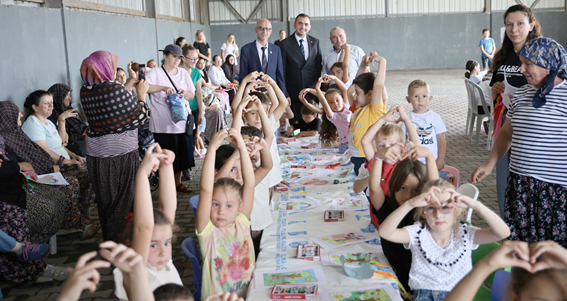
(290, 228)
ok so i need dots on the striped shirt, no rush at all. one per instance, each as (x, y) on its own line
(539, 140)
(112, 145)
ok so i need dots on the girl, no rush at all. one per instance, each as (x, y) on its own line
(336, 110)
(441, 246)
(230, 48)
(151, 231)
(202, 46)
(368, 96)
(531, 279)
(223, 223)
(473, 71)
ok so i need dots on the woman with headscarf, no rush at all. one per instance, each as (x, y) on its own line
(229, 69)
(75, 125)
(50, 208)
(114, 115)
(536, 129)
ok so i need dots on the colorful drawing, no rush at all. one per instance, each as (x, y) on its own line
(301, 174)
(366, 295)
(349, 204)
(353, 258)
(341, 239)
(297, 277)
(294, 205)
(313, 181)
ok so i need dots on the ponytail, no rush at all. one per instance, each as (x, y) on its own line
(470, 67)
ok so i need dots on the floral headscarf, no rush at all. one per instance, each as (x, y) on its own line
(548, 54)
(19, 143)
(99, 67)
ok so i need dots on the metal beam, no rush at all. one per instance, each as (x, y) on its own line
(488, 6)
(234, 11)
(519, 2)
(255, 10)
(534, 4)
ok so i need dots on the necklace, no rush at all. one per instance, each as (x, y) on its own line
(437, 263)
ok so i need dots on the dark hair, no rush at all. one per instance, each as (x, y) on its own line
(507, 45)
(305, 110)
(470, 67)
(520, 279)
(160, 219)
(302, 15)
(215, 56)
(328, 133)
(262, 96)
(251, 131)
(223, 153)
(282, 30)
(120, 69)
(399, 175)
(172, 291)
(178, 41)
(485, 30)
(337, 65)
(365, 81)
(332, 90)
(187, 48)
(33, 99)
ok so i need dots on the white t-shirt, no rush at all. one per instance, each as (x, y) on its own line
(157, 278)
(37, 131)
(428, 125)
(435, 268)
(275, 175)
(261, 217)
(230, 49)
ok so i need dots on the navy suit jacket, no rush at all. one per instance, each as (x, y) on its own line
(250, 62)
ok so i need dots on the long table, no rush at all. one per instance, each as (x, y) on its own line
(279, 242)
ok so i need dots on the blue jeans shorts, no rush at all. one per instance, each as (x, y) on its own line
(429, 295)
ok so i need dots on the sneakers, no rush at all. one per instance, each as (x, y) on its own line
(34, 251)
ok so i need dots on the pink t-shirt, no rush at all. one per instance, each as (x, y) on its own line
(341, 120)
(160, 120)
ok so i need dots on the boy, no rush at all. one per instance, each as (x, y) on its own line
(487, 47)
(428, 124)
(309, 125)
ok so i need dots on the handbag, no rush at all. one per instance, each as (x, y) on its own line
(177, 104)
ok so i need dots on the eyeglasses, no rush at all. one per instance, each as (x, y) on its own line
(193, 60)
(264, 28)
(444, 209)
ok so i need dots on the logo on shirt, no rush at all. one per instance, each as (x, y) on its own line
(422, 129)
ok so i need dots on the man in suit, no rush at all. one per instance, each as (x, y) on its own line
(262, 56)
(302, 61)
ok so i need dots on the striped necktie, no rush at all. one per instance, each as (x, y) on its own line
(264, 61)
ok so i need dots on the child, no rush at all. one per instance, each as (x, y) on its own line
(308, 125)
(473, 71)
(336, 111)
(223, 223)
(531, 278)
(440, 245)
(369, 91)
(172, 292)
(428, 124)
(487, 47)
(150, 232)
(340, 68)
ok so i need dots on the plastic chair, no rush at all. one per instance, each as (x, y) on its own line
(500, 286)
(482, 294)
(190, 250)
(194, 203)
(478, 107)
(472, 192)
(469, 109)
(454, 171)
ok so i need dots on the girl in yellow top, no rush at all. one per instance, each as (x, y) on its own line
(223, 222)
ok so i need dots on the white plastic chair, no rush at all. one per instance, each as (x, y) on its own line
(472, 192)
(476, 100)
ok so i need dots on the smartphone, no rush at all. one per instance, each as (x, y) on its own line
(142, 71)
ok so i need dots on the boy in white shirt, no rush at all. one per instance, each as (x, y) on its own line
(428, 124)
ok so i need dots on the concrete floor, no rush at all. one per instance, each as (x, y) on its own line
(449, 100)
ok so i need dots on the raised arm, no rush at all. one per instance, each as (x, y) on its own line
(237, 113)
(282, 100)
(412, 133)
(346, 60)
(199, 93)
(366, 140)
(418, 151)
(242, 91)
(378, 89)
(322, 98)
(265, 154)
(226, 169)
(207, 182)
(247, 173)
(310, 106)
(376, 193)
(167, 191)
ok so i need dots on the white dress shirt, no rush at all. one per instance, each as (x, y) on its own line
(305, 45)
(217, 76)
(259, 48)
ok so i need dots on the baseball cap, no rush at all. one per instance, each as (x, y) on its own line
(173, 49)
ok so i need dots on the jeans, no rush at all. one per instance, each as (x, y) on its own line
(7, 242)
(357, 161)
(429, 295)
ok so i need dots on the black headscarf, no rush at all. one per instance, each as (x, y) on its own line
(75, 126)
(229, 69)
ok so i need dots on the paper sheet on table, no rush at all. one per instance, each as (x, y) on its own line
(294, 205)
(352, 257)
(336, 240)
(350, 204)
(55, 178)
(378, 291)
(509, 91)
(266, 279)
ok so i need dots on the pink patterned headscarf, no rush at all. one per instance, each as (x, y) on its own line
(99, 67)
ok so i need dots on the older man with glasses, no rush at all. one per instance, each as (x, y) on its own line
(262, 56)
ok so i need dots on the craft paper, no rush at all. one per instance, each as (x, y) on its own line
(266, 279)
(351, 257)
(349, 204)
(337, 240)
(379, 291)
(294, 205)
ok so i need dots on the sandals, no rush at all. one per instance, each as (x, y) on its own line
(183, 189)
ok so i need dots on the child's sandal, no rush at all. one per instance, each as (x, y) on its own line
(183, 189)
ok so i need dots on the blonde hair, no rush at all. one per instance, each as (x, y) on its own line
(204, 41)
(389, 130)
(440, 183)
(418, 83)
(228, 39)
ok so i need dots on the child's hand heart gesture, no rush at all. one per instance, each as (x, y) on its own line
(428, 198)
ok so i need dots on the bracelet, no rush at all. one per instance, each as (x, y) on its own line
(60, 161)
(377, 158)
